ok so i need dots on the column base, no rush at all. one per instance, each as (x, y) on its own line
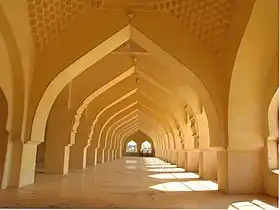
(118, 155)
(28, 161)
(241, 172)
(90, 156)
(181, 159)
(106, 155)
(192, 160)
(208, 164)
(169, 156)
(120, 152)
(112, 156)
(271, 183)
(174, 157)
(165, 156)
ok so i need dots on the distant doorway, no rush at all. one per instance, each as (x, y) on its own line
(131, 147)
(146, 149)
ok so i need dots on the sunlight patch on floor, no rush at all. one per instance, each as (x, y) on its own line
(131, 161)
(162, 166)
(131, 167)
(171, 186)
(255, 204)
(151, 164)
(186, 175)
(160, 170)
(200, 185)
(154, 161)
(162, 176)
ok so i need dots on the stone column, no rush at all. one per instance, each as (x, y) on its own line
(106, 155)
(241, 171)
(99, 155)
(159, 154)
(208, 164)
(78, 152)
(90, 156)
(117, 153)
(112, 155)
(169, 156)
(181, 159)
(272, 148)
(58, 139)
(192, 160)
(174, 157)
(165, 155)
(120, 152)
(28, 161)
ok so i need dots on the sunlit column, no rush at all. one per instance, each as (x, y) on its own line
(192, 160)
(78, 152)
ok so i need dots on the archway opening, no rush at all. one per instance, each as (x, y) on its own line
(146, 149)
(131, 147)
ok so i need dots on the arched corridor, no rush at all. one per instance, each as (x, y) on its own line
(154, 98)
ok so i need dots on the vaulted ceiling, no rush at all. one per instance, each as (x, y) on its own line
(201, 35)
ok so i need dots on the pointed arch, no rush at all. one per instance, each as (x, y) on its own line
(76, 68)
(131, 147)
(146, 147)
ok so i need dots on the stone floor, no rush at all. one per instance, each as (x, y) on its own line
(130, 182)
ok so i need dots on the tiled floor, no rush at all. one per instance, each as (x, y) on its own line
(130, 182)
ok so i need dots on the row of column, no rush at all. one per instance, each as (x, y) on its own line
(77, 158)
(194, 160)
(236, 171)
(76, 147)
